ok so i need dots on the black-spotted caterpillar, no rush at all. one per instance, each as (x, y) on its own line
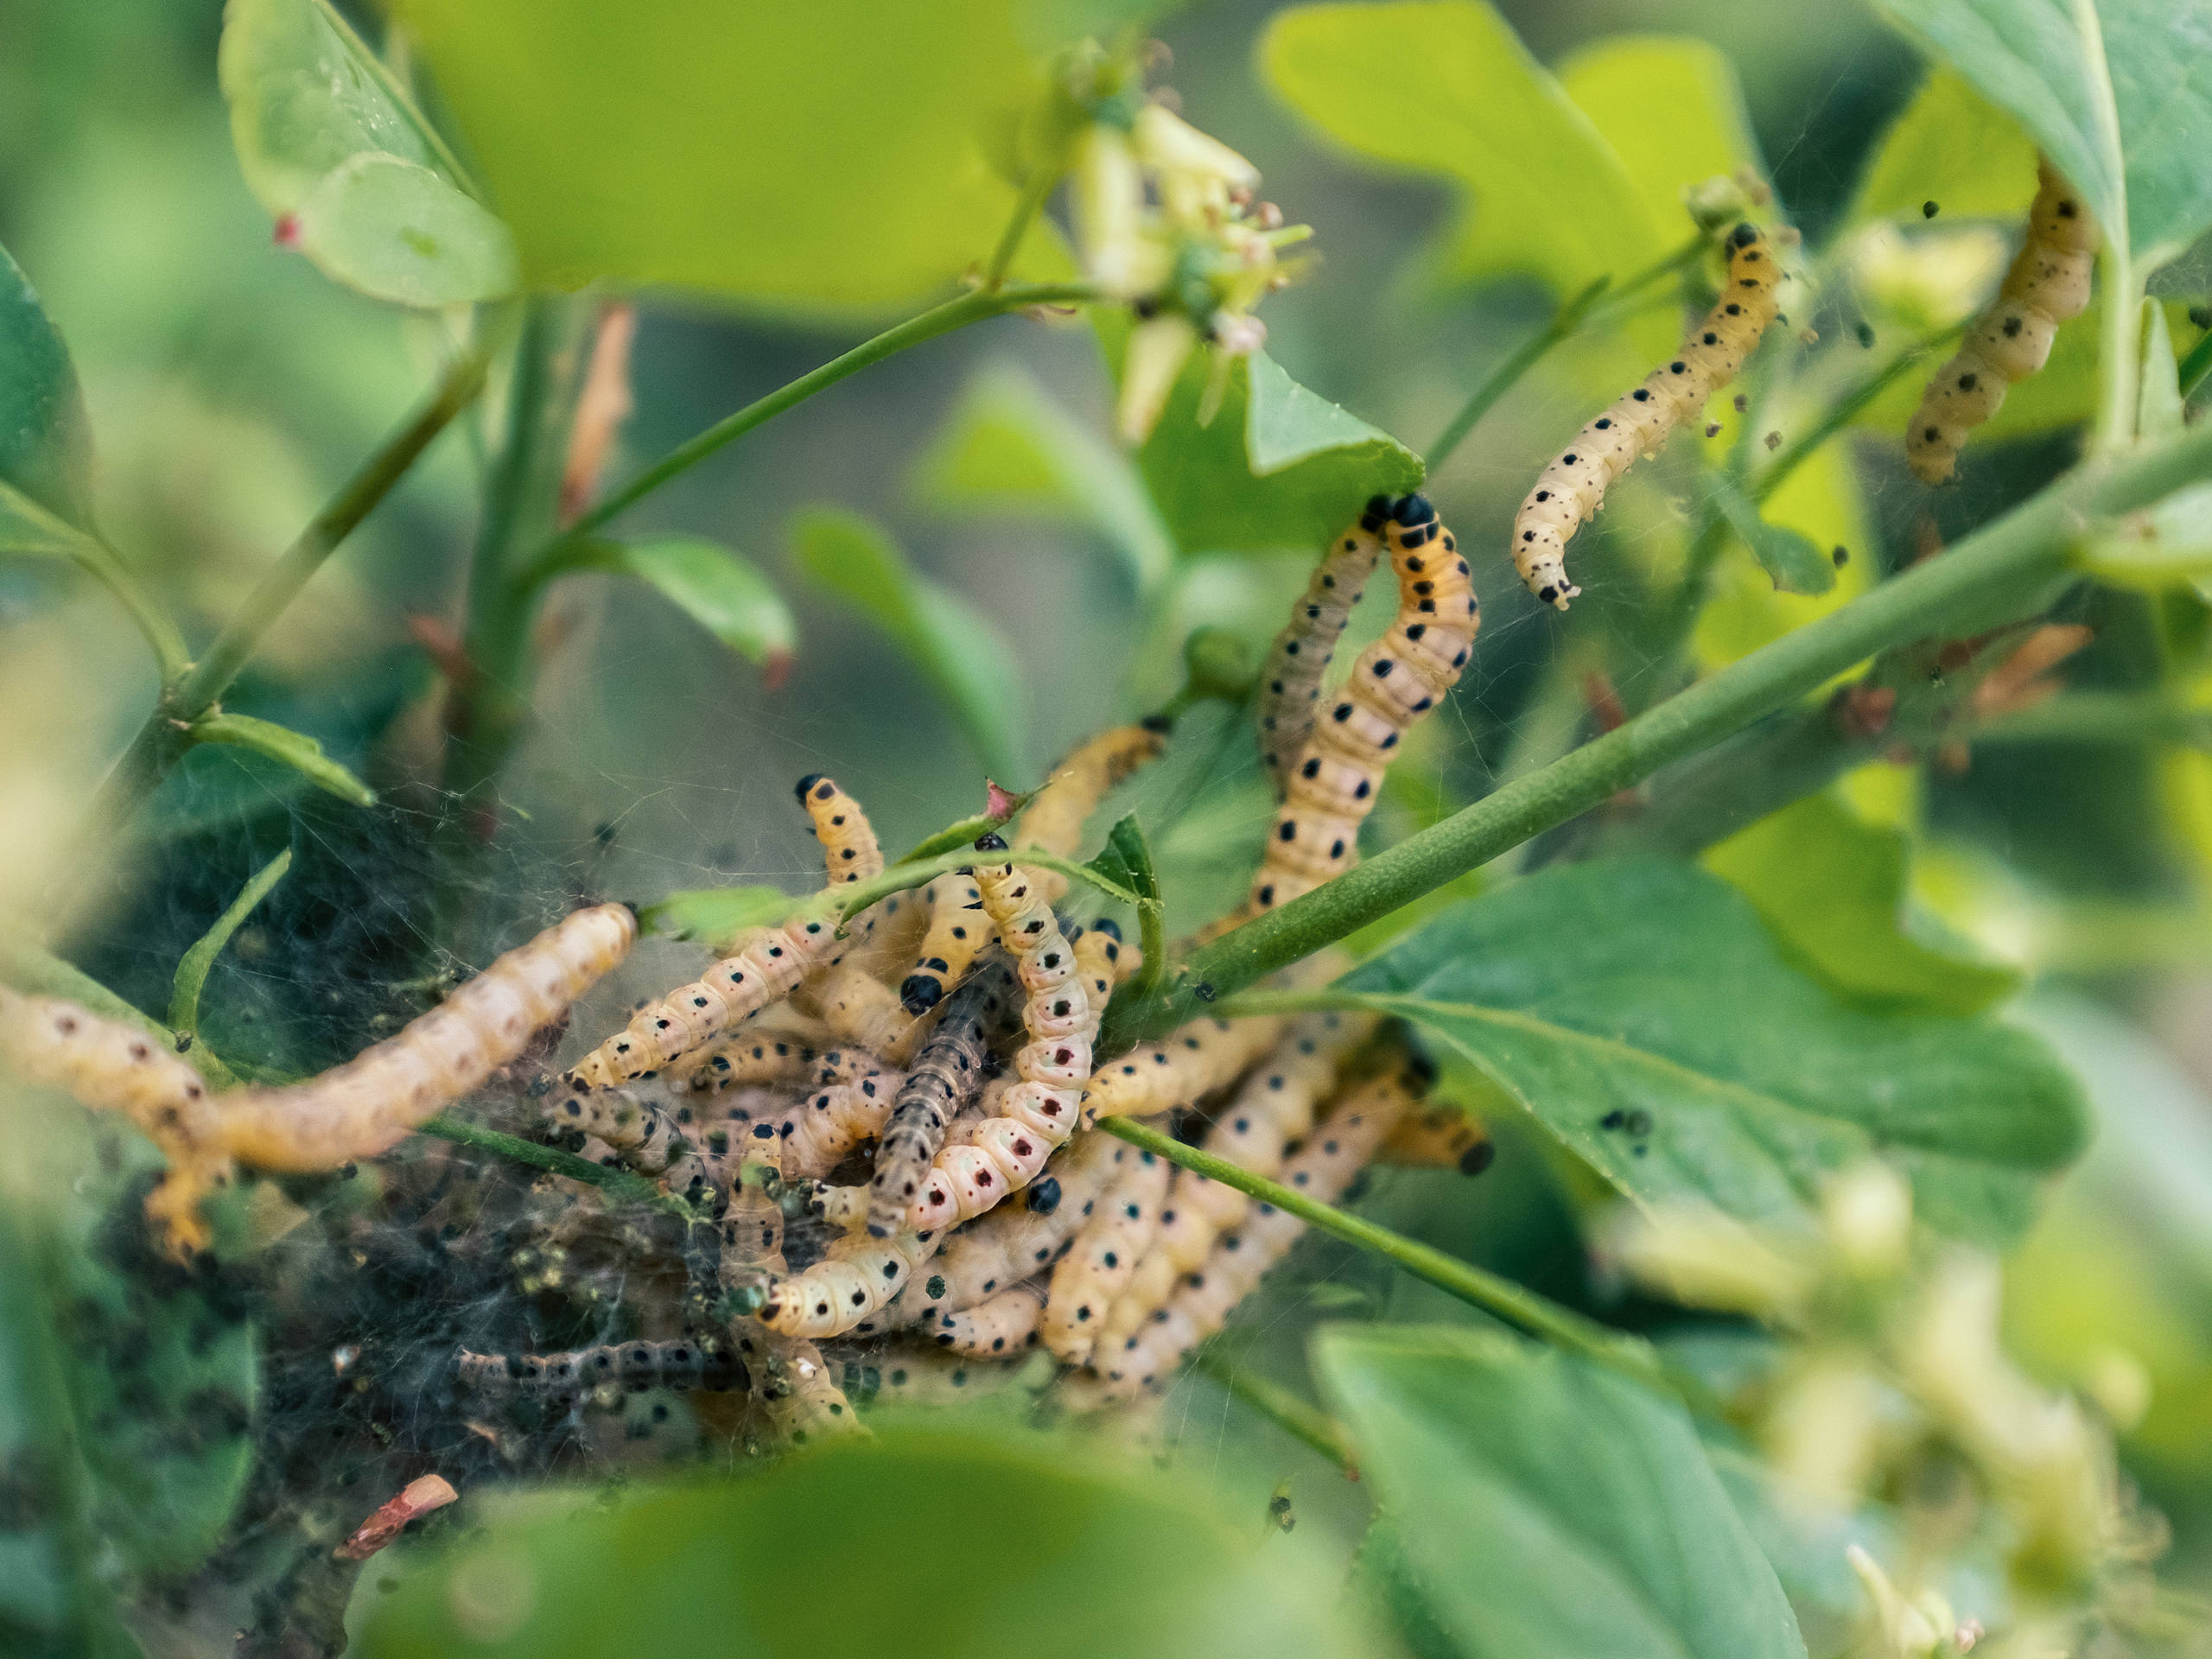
(1573, 486)
(1291, 683)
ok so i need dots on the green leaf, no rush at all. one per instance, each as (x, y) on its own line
(2167, 546)
(333, 147)
(1671, 109)
(1126, 860)
(1547, 1505)
(1645, 988)
(29, 531)
(1012, 447)
(722, 592)
(394, 231)
(1834, 888)
(958, 648)
(2158, 401)
(1952, 147)
(716, 916)
(1465, 102)
(2028, 59)
(830, 154)
(1031, 1548)
(966, 833)
(191, 968)
(303, 753)
(45, 445)
(1278, 467)
(1790, 559)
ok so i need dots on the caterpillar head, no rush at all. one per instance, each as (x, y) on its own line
(991, 842)
(806, 786)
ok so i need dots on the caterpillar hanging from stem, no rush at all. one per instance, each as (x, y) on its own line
(2048, 283)
(1291, 683)
(1638, 423)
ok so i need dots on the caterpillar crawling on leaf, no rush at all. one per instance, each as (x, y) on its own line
(1638, 423)
(2049, 283)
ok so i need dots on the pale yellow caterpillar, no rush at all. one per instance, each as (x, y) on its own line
(864, 1011)
(2049, 281)
(830, 1121)
(742, 1061)
(1291, 683)
(600, 1376)
(1396, 681)
(768, 967)
(1003, 1153)
(958, 928)
(1180, 1070)
(1105, 1257)
(923, 1376)
(353, 1112)
(998, 1327)
(1273, 1108)
(1333, 1154)
(1442, 1137)
(1637, 425)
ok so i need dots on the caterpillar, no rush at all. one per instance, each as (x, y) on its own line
(796, 1392)
(1012, 1242)
(2049, 281)
(1395, 681)
(1291, 683)
(766, 970)
(1180, 1070)
(744, 1062)
(849, 1108)
(864, 1011)
(998, 1326)
(1333, 1154)
(354, 1110)
(958, 931)
(1442, 1137)
(1103, 1259)
(1034, 1115)
(923, 1376)
(945, 1073)
(1573, 486)
(600, 1376)
(1274, 1109)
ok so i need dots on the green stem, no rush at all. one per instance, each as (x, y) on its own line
(620, 1186)
(939, 320)
(1518, 362)
(2004, 570)
(1502, 1298)
(850, 902)
(1034, 196)
(191, 968)
(2123, 717)
(2118, 345)
(101, 559)
(163, 737)
(1306, 1424)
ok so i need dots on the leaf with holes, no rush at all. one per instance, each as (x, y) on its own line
(1643, 1013)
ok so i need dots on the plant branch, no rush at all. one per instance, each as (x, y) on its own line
(1034, 194)
(2005, 570)
(1502, 1298)
(939, 320)
(1518, 362)
(620, 1186)
(1309, 1424)
(168, 647)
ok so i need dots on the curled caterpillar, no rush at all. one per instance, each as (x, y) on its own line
(958, 928)
(2049, 281)
(1274, 1109)
(352, 1111)
(846, 1111)
(999, 1327)
(600, 1376)
(1573, 486)
(1291, 683)
(1396, 680)
(1333, 1154)
(1105, 1257)
(767, 968)
(1442, 1137)
(946, 1072)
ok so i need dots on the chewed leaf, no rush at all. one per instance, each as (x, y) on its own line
(1643, 1014)
(45, 446)
(395, 231)
(722, 592)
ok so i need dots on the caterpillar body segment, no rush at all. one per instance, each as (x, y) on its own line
(796, 1394)
(1180, 1070)
(353, 1110)
(1103, 1258)
(1573, 486)
(600, 1376)
(947, 1071)
(1291, 683)
(1396, 682)
(744, 1062)
(1273, 1108)
(1439, 1137)
(2048, 283)
(958, 928)
(1017, 1239)
(923, 1377)
(864, 1011)
(998, 1327)
(766, 969)
(829, 1121)
(853, 1280)
(1090, 771)
(1339, 1148)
